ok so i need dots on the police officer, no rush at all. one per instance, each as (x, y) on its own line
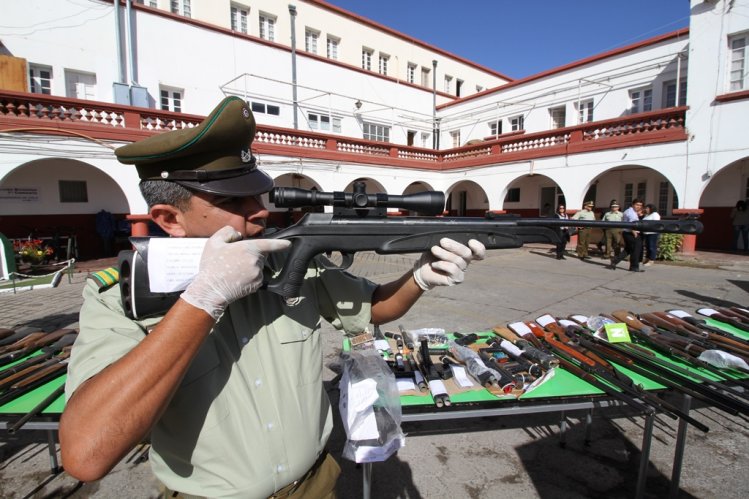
(583, 233)
(228, 383)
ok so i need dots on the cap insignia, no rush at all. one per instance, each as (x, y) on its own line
(245, 112)
(246, 156)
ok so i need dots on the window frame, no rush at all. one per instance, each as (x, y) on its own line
(267, 26)
(411, 72)
(316, 122)
(585, 109)
(555, 113)
(382, 63)
(366, 58)
(641, 103)
(239, 18)
(39, 79)
(332, 42)
(742, 82)
(181, 8)
(264, 108)
(68, 190)
(682, 100)
(517, 123)
(172, 104)
(311, 37)
(375, 131)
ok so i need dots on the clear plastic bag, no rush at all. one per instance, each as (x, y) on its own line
(370, 408)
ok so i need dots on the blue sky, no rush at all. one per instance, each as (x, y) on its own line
(524, 37)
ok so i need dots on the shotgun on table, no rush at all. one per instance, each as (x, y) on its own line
(359, 222)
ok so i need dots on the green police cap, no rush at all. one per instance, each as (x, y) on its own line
(588, 203)
(212, 157)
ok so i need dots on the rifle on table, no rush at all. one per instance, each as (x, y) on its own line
(703, 326)
(670, 344)
(596, 365)
(359, 222)
(31, 345)
(23, 368)
(738, 323)
(645, 363)
(37, 409)
(53, 368)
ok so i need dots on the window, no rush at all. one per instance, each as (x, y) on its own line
(181, 7)
(171, 99)
(239, 18)
(479, 88)
(425, 139)
(384, 59)
(411, 73)
(40, 79)
(738, 70)
(323, 122)
(558, 116)
(80, 85)
(641, 100)
(448, 83)
(513, 195)
(151, 3)
(373, 131)
(366, 59)
(425, 77)
(495, 127)
(669, 93)
(73, 191)
(263, 108)
(517, 123)
(332, 47)
(267, 27)
(630, 193)
(585, 111)
(458, 87)
(664, 189)
(310, 40)
(455, 136)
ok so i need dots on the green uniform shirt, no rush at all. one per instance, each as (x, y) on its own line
(584, 215)
(251, 414)
(613, 216)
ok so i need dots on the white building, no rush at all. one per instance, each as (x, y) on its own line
(352, 100)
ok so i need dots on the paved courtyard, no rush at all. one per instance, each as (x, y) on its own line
(511, 456)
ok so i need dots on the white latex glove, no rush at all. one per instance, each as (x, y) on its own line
(444, 265)
(230, 268)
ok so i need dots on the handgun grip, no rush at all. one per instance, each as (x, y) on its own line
(289, 281)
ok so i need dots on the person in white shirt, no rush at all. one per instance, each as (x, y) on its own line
(650, 239)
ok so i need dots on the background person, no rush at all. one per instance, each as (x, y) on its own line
(564, 232)
(228, 383)
(650, 239)
(613, 236)
(740, 224)
(632, 239)
(583, 234)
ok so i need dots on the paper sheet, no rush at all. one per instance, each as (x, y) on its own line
(173, 262)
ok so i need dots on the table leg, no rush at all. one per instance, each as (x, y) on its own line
(647, 438)
(588, 427)
(563, 430)
(367, 480)
(53, 464)
(681, 441)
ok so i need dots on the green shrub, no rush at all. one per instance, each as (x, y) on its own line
(668, 246)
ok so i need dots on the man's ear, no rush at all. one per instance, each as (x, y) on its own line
(168, 218)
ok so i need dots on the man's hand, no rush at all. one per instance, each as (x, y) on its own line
(444, 265)
(229, 269)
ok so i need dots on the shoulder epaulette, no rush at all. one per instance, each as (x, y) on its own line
(106, 278)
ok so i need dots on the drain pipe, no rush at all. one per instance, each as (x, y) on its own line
(118, 42)
(129, 41)
(292, 11)
(435, 126)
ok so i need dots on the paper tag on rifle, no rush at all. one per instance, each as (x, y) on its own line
(617, 332)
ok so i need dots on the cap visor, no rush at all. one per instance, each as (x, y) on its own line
(250, 184)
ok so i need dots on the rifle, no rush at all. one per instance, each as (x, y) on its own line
(38, 408)
(593, 363)
(32, 345)
(359, 222)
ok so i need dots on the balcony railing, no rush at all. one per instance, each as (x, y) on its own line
(50, 114)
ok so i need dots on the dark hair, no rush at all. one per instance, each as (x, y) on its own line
(164, 192)
(651, 207)
(741, 205)
(636, 200)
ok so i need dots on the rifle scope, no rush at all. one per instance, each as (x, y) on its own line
(428, 202)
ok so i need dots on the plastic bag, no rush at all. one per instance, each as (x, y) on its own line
(370, 408)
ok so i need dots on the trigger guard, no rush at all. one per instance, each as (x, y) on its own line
(346, 260)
